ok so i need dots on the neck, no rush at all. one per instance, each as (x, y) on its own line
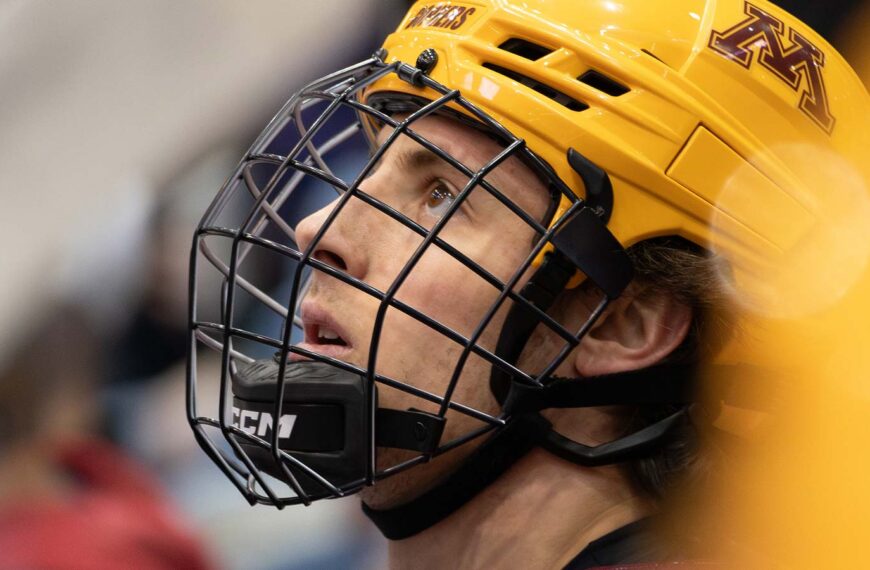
(539, 514)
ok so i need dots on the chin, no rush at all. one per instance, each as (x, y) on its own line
(389, 493)
(408, 485)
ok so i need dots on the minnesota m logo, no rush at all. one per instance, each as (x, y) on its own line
(799, 64)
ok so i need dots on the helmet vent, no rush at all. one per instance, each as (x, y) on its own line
(525, 48)
(545, 90)
(603, 83)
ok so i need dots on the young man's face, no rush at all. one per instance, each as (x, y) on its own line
(371, 246)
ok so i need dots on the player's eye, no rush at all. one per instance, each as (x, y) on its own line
(441, 195)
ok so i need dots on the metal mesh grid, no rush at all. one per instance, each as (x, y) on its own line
(262, 224)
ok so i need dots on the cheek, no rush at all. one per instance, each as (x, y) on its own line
(448, 292)
(445, 290)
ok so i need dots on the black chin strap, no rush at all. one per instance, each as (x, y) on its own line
(482, 468)
(656, 385)
(528, 429)
(541, 291)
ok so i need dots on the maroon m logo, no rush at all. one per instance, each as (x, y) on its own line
(800, 63)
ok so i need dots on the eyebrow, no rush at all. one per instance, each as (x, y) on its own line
(420, 158)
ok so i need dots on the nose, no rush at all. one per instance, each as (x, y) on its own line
(335, 247)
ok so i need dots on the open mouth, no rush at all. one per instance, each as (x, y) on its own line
(322, 335)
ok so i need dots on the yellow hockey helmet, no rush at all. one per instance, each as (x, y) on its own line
(729, 123)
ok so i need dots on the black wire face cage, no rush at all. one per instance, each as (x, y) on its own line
(249, 276)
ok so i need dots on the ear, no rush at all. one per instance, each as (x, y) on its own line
(637, 330)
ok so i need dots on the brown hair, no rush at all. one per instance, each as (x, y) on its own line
(691, 275)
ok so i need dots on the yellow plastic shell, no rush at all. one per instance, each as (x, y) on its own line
(743, 130)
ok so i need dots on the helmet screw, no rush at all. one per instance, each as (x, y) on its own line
(420, 431)
(427, 60)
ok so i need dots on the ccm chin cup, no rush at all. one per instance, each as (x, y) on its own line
(325, 425)
(293, 430)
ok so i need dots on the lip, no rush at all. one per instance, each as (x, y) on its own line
(314, 316)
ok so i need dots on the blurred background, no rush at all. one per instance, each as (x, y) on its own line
(118, 123)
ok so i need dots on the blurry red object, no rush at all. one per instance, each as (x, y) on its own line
(115, 516)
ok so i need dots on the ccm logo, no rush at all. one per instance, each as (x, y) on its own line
(260, 423)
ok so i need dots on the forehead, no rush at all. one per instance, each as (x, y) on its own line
(470, 146)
